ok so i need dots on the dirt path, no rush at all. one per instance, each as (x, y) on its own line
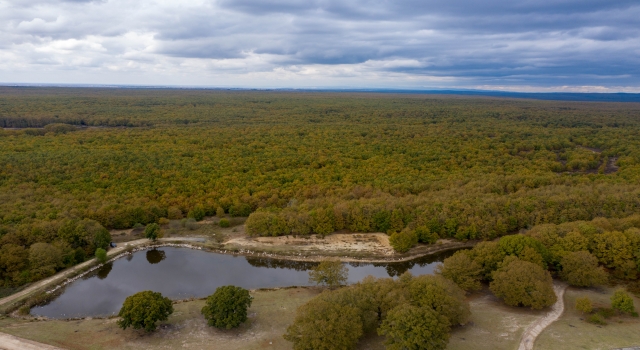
(533, 330)
(9, 342)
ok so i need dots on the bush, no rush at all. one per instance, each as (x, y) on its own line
(331, 273)
(152, 231)
(191, 224)
(621, 301)
(584, 305)
(224, 223)
(596, 319)
(220, 212)
(227, 307)
(101, 255)
(581, 269)
(163, 221)
(404, 240)
(143, 310)
(521, 283)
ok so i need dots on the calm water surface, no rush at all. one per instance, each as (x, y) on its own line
(180, 273)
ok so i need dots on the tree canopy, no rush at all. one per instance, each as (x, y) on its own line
(143, 309)
(227, 307)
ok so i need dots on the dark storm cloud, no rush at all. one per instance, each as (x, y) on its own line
(492, 42)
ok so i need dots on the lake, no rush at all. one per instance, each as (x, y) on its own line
(180, 273)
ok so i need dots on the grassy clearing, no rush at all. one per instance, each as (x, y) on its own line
(572, 332)
(270, 314)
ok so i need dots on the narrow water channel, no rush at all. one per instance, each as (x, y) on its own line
(180, 273)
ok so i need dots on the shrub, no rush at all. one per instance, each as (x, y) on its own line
(163, 221)
(581, 269)
(331, 273)
(220, 212)
(404, 240)
(143, 310)
(152, 231)
(596, 319)
(521, 283)
(227, 307)
(191, 224)
(621, 301)
(584, 305)
(224, 223)
(101, 255)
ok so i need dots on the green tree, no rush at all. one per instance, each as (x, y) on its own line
(425, 235)
(521, 283)
(441, 295)
(152, 231)
(45, 259)
(584, 305)
(331, 273)
(197, 213)
(516, 244)
(621, 301)
(142, 310)
(323, 325)
(488, 256)
(410, 327)
(581, 269)
(463, 271)
(404, 240)
(227, 307)
(101, 255)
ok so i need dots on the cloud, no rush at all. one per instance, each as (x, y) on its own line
(588, 44)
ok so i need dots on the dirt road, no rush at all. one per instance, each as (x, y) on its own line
(9, 342)
(533, 330)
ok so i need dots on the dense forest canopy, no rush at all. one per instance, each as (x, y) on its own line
(465, 167)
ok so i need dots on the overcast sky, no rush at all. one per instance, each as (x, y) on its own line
(532, 45)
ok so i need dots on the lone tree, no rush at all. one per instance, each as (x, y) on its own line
(621, 301)
(330, 273)
(143, 310)
(152, 231)
(409, 327)
(584, 305)
(581, 269)
(227, 307)
(101, 255)
(521, 283)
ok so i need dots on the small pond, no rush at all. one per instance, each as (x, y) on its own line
(180, 273)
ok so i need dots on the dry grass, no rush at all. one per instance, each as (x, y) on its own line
(572, 332)
(270, 314)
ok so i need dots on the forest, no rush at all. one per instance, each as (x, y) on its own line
(77, 162)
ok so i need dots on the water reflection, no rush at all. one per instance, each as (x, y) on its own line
(155, 256)
(186, 273)
(103, 271)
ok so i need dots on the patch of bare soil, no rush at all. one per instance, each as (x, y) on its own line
(376, 243)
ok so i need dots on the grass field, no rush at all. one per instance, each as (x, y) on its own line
(572, 332)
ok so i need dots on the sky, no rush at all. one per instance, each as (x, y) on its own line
(512, 45)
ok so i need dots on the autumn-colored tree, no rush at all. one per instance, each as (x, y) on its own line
(581, 269)
(143, 309)
(227, 307)
(45, 259)
(462, 270)
(331, 273)
(584, 305)
(521, 283)
(488, 256)
(323, 325)
(404, 240)
(410, 327)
